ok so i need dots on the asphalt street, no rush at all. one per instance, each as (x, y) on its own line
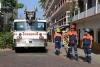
(9, 58)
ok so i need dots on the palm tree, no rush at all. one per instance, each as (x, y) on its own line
(42, 3)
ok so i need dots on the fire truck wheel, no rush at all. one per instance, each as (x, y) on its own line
(17, 50)
(43, 49)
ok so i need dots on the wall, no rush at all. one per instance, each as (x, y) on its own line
(92, 24)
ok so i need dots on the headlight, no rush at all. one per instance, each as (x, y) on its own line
(19, 37)
(41, 37)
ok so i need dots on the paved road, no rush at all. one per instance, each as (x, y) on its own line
(9, 58)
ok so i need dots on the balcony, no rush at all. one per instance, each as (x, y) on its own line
(51, 6)
(61, 7)
(47, 1)
(61, 21)
(87, 13)
(48, 19)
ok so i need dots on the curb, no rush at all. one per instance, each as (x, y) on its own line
(5, 49)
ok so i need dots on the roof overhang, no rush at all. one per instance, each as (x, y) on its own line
(92, 17)
(63, 26)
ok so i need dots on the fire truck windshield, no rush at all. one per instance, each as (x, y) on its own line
(36, 26)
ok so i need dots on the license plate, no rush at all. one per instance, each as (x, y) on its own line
(24, 42)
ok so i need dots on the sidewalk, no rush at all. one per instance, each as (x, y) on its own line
(95, 56)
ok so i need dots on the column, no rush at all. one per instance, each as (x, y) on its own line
(66, 17)
(74, 15)
(86, 6)
(96, 6)
(78, 13)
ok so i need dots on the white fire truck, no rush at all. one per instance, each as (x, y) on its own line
(29, 34)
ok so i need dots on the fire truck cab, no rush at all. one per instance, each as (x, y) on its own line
(28, 35)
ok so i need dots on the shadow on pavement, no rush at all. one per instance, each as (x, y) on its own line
(34, 50)
(82, 58)
(95, 52)
(92, 51)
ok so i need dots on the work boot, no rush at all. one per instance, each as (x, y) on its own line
(84, 60)
(71, 58)
(56, 53)
(89, 62)
(77, 59)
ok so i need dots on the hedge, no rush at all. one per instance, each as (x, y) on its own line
(6, 40)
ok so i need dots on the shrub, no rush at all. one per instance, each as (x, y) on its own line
(6, 40)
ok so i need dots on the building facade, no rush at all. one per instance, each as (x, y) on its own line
(57, 13)
(86, 15)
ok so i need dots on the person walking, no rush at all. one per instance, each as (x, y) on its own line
(58, 38)
(73, 42)
(87, 44)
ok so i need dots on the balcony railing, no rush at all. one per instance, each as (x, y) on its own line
(59, 5)
(49, 6)
(87, 13)
(98, 11)
(47, 1)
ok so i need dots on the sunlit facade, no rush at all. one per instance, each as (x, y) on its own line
(88, 16)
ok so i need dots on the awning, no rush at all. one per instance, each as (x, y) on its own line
(63, 26)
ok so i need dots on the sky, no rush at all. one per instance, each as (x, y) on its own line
(30, 6)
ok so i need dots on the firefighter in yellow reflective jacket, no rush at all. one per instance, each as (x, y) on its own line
(57, 37)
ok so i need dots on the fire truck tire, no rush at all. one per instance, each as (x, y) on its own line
(43, 49)
(17, 50)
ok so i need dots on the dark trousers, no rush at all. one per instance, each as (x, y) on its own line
(87, 52)
(75, 50)
(57, 47)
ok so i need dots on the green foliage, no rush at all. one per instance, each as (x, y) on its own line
(11, 4)
(42, 3)
(6, 40)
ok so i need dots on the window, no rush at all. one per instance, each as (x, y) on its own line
(98, 36)
(39, 26)
(81, 5)
(92, 33)
(20, 26)
(89, 4)
(94, 3)
(98, 1)
(36, 26)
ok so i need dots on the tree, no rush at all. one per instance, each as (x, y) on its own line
(9, 6)
(42, 3)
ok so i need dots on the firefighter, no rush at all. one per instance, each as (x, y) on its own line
(73, 42)
(58, 38)
(87, 43)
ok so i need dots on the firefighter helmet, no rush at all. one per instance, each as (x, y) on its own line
(87, 30)
(72, 26)
(58, 30)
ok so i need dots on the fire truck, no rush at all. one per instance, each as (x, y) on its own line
(29, 32)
